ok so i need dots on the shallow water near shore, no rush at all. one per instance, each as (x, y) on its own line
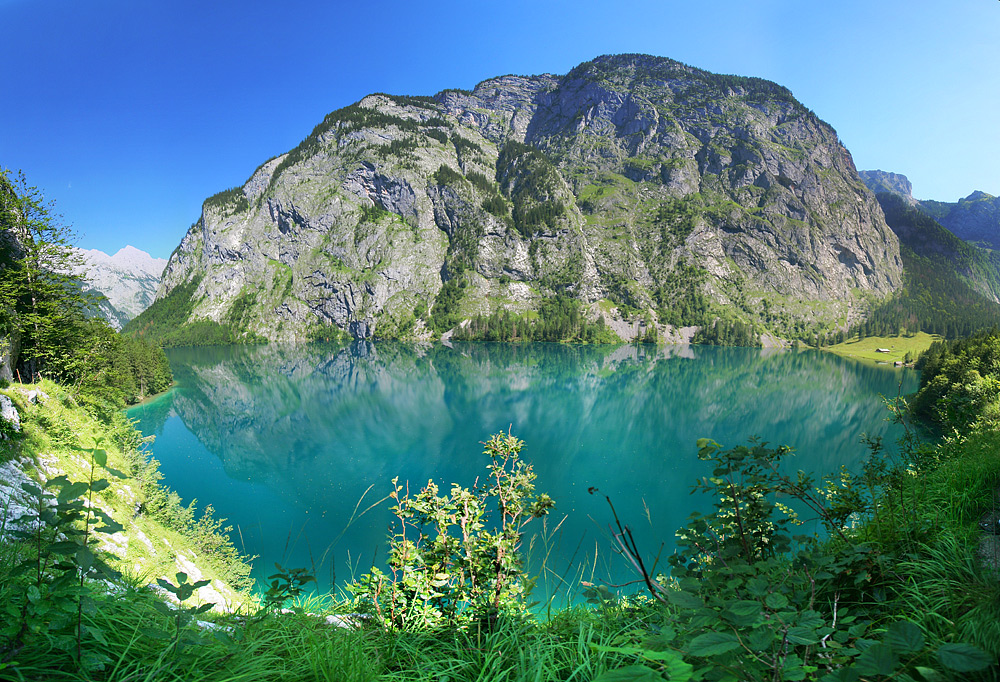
(292, 443)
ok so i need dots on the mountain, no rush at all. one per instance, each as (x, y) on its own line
(640, 189)
(128, 279)
(976, 218)
(951, 287)
(882, 181)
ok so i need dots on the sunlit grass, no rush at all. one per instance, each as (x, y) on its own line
(898, 346)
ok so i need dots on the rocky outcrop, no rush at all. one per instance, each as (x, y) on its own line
(627, 183)
(883, 181)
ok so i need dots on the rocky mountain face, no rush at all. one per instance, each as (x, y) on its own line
(631, 184)
(127, 279)
(883, 181)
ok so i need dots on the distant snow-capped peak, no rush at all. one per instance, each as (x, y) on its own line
(128, 259)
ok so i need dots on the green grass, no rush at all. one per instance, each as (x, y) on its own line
(898, 346)
(930, 520)
(56, 432)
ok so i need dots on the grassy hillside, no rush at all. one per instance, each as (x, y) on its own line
(106, 517)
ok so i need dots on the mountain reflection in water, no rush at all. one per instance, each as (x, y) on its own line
(290, 443)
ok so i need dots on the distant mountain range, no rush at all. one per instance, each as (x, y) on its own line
(127, 279)
(952, 284)
(976, 218)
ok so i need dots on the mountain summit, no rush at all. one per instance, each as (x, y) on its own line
(646, 191)
(128, 279)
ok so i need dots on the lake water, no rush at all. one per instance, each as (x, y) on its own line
(286, 442)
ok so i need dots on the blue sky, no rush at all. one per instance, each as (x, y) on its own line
(129, 114)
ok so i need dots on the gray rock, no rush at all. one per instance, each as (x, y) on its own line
(990, 522)
(9, 414)
(9, 348)
(128, 280)
(882, 181)
(15, 503)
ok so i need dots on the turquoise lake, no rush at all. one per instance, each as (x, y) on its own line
(286, 441)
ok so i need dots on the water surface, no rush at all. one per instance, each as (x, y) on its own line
(285, 441)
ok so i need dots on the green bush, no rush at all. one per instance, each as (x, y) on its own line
(455, 559)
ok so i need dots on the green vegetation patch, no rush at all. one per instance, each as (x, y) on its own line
(108, 529)
(530, 181)
(168, 322)
(446, 312)
(903, 348)
(558, 318)
(446, 175)
(228, 202)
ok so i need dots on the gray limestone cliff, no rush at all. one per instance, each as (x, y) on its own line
(883, 181)
(628, 184)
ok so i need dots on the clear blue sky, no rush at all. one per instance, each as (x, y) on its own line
(129, 113)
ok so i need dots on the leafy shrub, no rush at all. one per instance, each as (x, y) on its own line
(454, 559)
(54, 575)
(748, 600)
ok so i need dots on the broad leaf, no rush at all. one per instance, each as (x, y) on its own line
(101, 457)
(776, 601)
(745, 608)
(760, 638)
(801, 635)
(929, 674)
(155, 633)
(661, 640)
(114, 472)
(712, 644)
(72, 491)
(963, 658)
(877, 659)
(684, 600)
(905, 637)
